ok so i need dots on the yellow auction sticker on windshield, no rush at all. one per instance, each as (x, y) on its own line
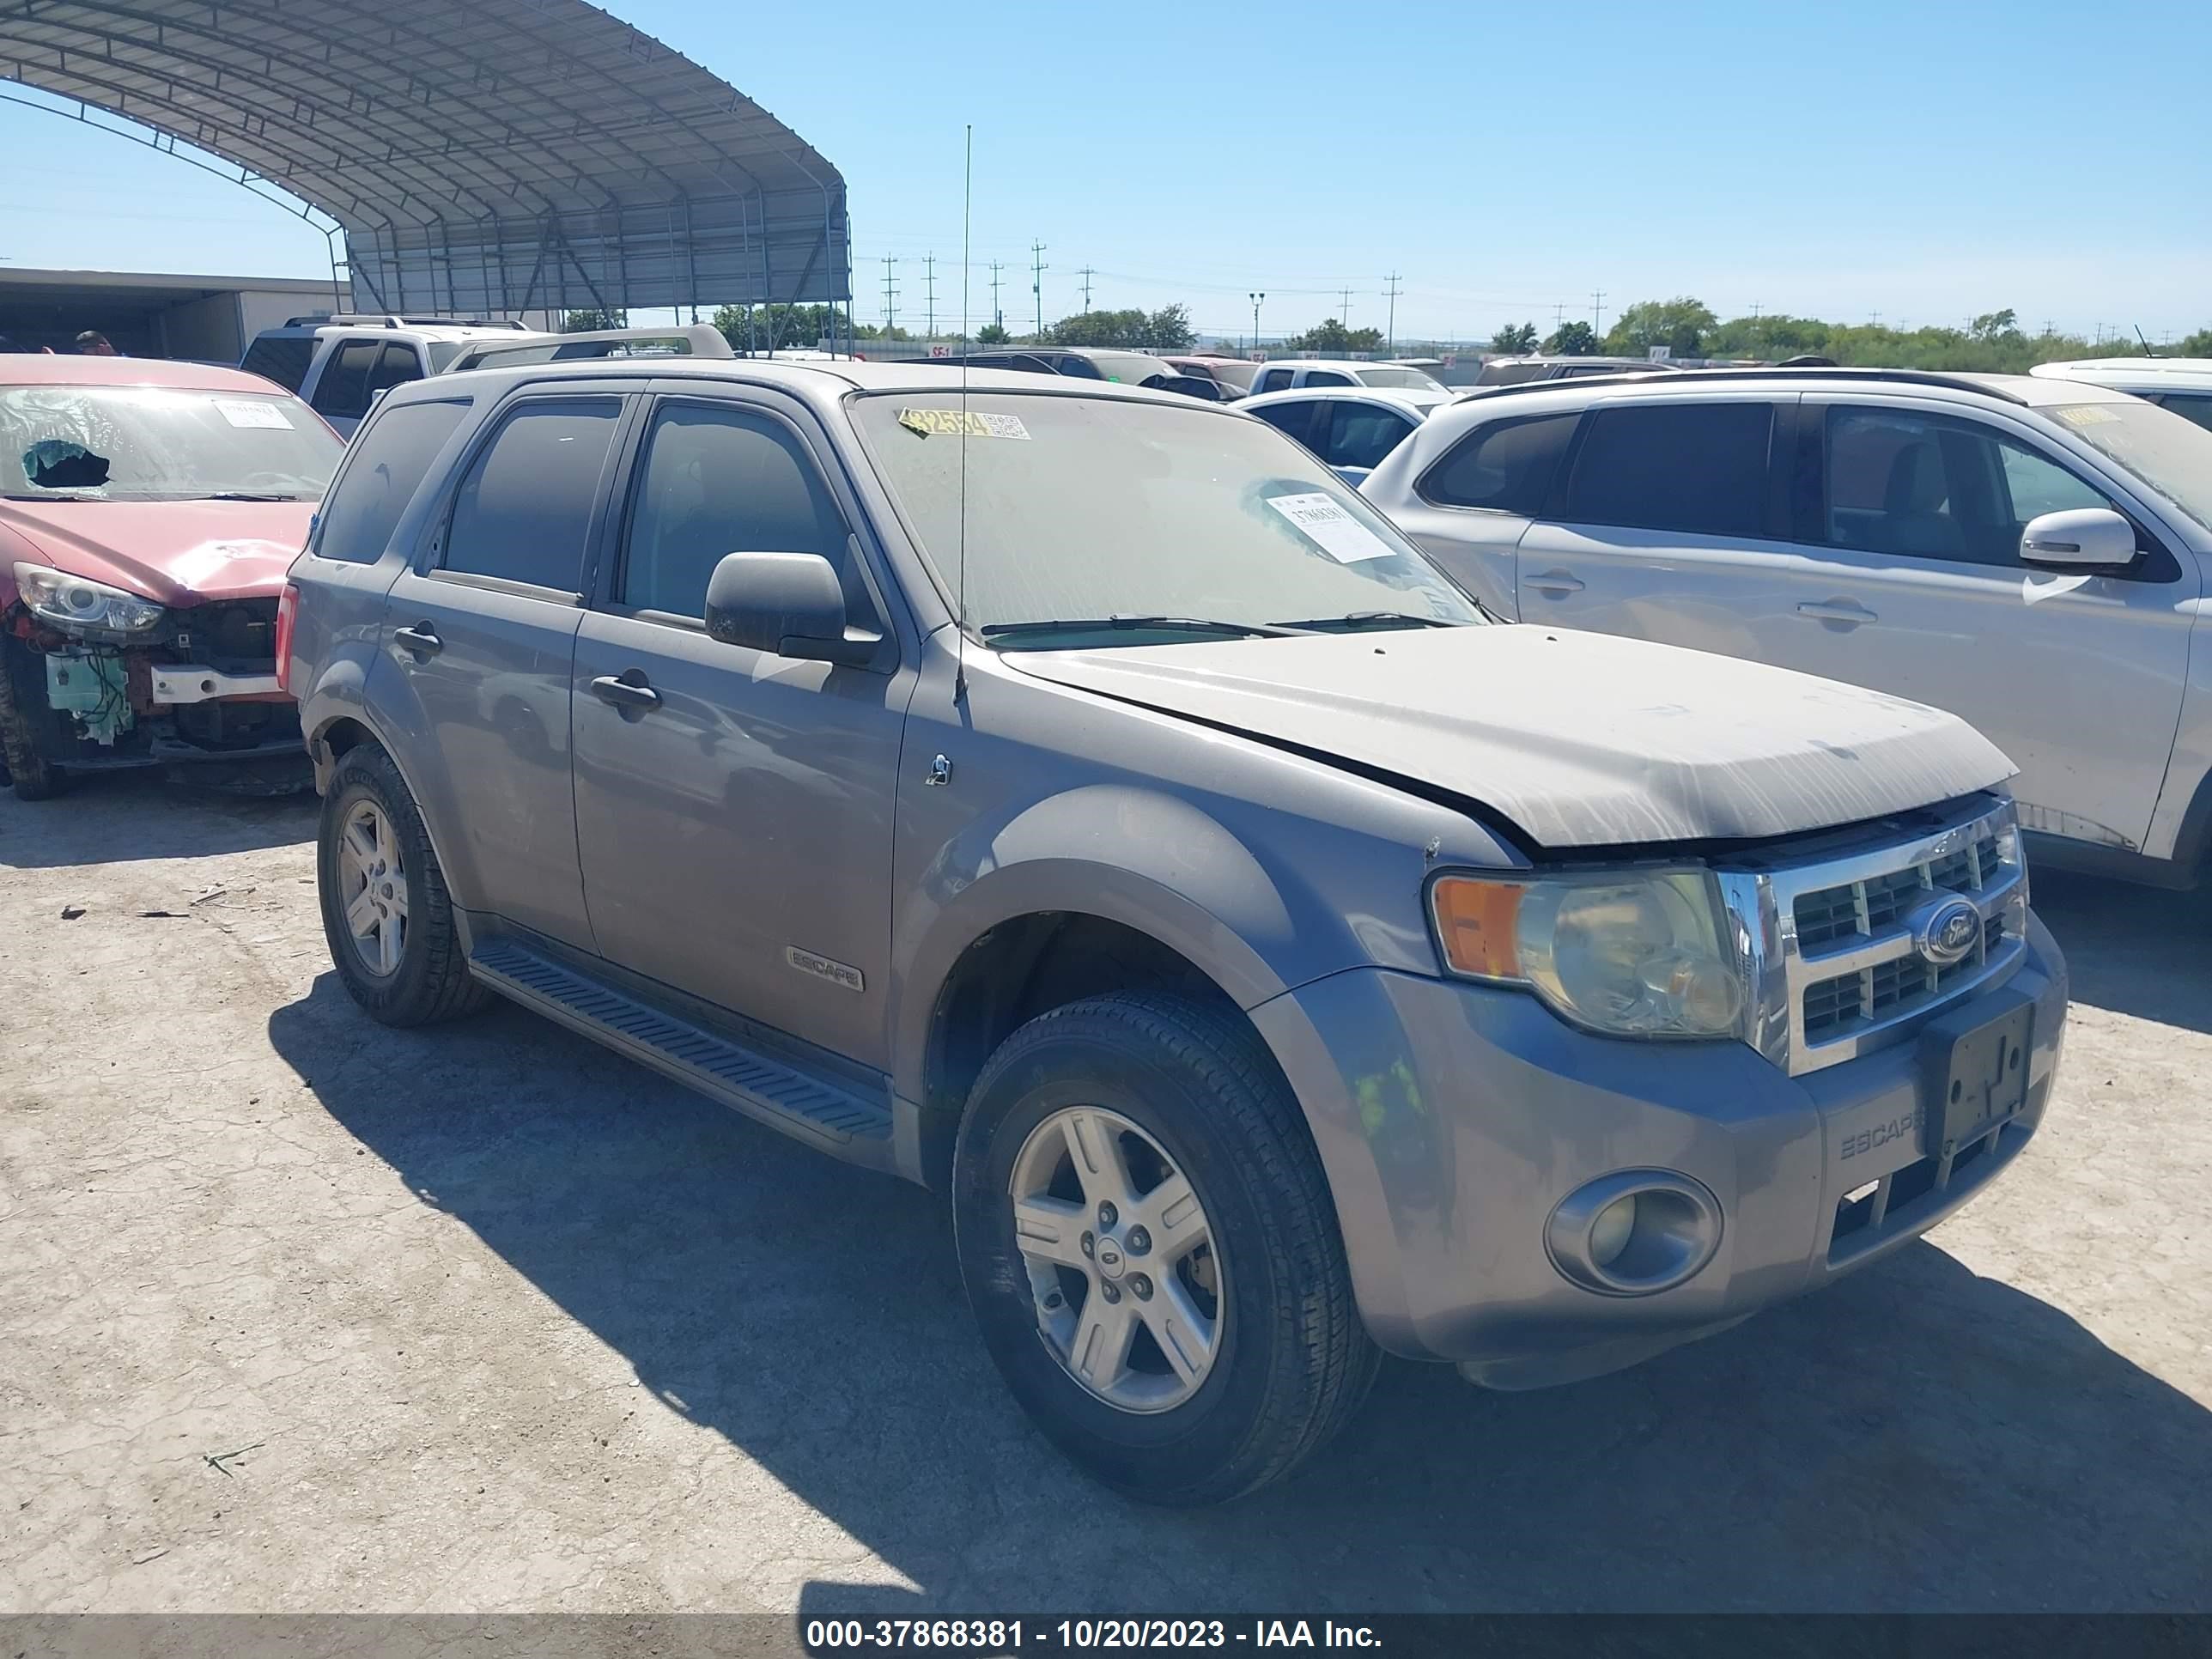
(953, 422)
(2085, 414)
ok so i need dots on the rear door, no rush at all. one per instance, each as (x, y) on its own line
(1471, 508)
(734, 807)
(1665, 525)
(482, 633)
(1906, 576)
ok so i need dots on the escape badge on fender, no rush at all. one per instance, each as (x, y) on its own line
(952, 422)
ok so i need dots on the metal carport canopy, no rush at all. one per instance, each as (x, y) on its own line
(496, 155)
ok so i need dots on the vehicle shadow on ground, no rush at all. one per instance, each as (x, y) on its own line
(1915, 1437)
(2133, 949)
(121, 817)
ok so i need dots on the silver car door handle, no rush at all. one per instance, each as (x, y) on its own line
(422, 638)
(1837, 610)
(625, 694)
(1555, 581)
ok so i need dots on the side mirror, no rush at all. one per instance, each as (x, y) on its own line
(787, 604)
(2081, 538)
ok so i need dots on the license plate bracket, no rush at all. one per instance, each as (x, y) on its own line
(1975, 1062)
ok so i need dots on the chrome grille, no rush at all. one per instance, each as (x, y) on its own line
(1833, 966)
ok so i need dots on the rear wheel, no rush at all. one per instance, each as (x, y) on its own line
(386, 914)
(24, 719)
(1151, 1250)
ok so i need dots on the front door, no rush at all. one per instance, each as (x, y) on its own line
(1907, 577)
(482, 641)
(733, 807)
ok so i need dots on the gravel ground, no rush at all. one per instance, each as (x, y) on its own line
(300, 1315)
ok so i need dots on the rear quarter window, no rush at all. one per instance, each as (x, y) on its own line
(1506, 466)
(388, 462)
(282, 359)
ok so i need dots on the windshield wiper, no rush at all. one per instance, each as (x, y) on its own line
(242, 496)
(1184, 624)
(1359, 619)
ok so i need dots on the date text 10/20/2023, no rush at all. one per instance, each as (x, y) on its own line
(989, 1636)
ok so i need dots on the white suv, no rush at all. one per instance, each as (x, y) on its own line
(2182, 384)
(338, 363)
(2029, 553)
(1291, 374)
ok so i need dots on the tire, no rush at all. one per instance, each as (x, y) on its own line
(425, 978)
(33, 776)
(1290, 1362)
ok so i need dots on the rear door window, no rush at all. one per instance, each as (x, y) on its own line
(1696, 469)
(1506, 466)
(523, 512)
(1275, 379)
(2191, 406)
(282, 358)
(1361, 434)
(1296, 418)
(343, 392)
(386, 466)
(1329, 377)
(396, 365)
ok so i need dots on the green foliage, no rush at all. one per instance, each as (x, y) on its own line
(1331, 335)
(1515, 339)
(591, 321)
(1574, 339)
(792, 325)
(2199, 344)
(992, 334)
(1680, 324)
(1165, 329)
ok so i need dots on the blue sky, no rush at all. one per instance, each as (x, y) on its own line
(1923, 161)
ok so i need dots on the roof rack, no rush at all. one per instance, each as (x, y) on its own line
(1681, 376)
(386, 319)
(692, 340)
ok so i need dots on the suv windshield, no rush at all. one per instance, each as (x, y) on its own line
(1130, 368)
(160, 444)
(1408, 380)
(2171, 454)
(1087, 508)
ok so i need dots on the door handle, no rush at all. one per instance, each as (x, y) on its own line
(422, 638)
(1555, 582)
(1837, 610)
(625, 693)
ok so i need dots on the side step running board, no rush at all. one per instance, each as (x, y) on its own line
(756, 1085)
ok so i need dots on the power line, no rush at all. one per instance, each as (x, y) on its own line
(1036, 283)
(1390, 333)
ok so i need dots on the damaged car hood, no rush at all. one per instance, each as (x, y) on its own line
(1579, 739)
(175, 553)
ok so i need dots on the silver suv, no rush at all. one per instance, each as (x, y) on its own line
(1073, 798)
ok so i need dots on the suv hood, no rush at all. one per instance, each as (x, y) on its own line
(175, 553)
(1579, 739)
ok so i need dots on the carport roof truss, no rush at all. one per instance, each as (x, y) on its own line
(499, 156)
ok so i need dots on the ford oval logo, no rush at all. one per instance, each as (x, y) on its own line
(1945, 930)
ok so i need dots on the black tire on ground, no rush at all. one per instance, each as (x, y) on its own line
(32, 774)
(432, 981)
(1294, 1362)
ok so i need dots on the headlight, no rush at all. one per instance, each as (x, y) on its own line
(1628, 954)
(70, 601)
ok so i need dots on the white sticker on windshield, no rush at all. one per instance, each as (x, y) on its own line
(1339, 535)
(2085, 414)
(240, 411)
(953, 422)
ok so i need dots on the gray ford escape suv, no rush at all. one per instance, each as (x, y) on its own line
(1073, 798)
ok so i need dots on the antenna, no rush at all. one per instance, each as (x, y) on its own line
(2148, 352)
(960, 579)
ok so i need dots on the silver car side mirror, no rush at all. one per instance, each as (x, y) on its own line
(2081, 538)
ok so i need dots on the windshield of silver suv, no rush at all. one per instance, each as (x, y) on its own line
(1404, 380)
(160, 444)
(2173, 455)
(1086, 515)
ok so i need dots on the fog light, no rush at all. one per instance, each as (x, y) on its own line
(1634, 1232)
(1609, 1233)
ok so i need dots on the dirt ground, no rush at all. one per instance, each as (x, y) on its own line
(298, 1314)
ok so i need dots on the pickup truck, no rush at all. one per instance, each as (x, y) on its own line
(1073, 798)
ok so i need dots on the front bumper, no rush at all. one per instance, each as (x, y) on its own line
(1453, 1118)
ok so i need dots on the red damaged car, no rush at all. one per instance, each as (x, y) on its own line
(148, 511)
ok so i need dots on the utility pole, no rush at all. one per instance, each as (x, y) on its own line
(998, 316)
(1037, 283)
(1087, 273)
(890, 295)
(1391, 332)
(1345, 317)
(929, 290)
(1559, 316)
(1875, 319)
(1755, 336)
(1597, 312)
(1258, 300)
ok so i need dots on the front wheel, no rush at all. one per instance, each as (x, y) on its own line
(1149, 1245)
(23, 715)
